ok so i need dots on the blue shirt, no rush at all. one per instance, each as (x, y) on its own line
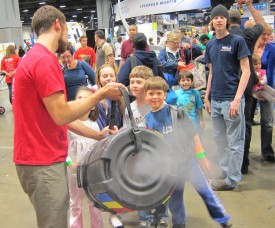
(225, 55)
(190, 101)
(75, 78)
(103, 120)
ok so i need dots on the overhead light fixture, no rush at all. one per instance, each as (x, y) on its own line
(22, 21)
(79, 9)
(93, 11)
(62, 6)
(95, 18)
(85, 17)
(25, 10)
(74, 16)
(42, 3)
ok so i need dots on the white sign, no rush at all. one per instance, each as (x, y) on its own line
(134, 8)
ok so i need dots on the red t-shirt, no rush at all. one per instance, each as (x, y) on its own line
(9, 65)
(80, 53)
(37, 139)
(127, 49)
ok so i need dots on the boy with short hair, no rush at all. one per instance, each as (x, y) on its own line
(179, 132)
(140, 109)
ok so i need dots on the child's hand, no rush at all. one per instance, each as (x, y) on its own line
(114, 130)
(206, 165)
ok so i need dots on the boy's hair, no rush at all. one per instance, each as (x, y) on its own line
(44, 18)
(204, 37)
(156, 82)
(94, 114)
(140, 41)
(82, 37)
(256, 59)
(185, 74)
(87, 59)
(141, 72)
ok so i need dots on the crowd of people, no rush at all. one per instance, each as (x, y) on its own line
(69, 97)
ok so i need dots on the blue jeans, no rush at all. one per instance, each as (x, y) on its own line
(192, 172)
(267, 116)
(10, 91)
(229, 134)
(161, 212)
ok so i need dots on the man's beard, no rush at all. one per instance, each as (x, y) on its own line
(62, 46)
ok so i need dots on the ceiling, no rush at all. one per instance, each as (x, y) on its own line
(74, 10)
(81, 10)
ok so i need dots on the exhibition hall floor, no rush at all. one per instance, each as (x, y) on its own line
(251, 204)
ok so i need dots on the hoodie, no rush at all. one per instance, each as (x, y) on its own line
(145, 58)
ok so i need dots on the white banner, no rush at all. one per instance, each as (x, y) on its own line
(134, 8)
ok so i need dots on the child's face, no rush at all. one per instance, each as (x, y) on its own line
(185, 83)
(83, 94)
(155, 98)
(137, 86)
(107, 75)
(257, 65)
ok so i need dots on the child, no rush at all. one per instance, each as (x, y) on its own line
(189, 100)
(178, 131)
(78, 146)
(87, 59)
(106, 74)
(140, 109)
(262, 91)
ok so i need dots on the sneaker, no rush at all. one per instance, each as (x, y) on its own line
(162, 224)
(178, 226)
(144, 224)
(219, 185)
(270, 159)
(226, 225)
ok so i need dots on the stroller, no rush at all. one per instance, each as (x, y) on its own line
(2, 109)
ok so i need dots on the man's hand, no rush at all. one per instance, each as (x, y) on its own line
(111, 91)
(248, 2)
(234, 108)
(207, 106)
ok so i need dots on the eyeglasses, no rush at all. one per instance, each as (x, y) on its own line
(65, 57)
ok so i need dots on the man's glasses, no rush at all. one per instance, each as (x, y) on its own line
(65, 57)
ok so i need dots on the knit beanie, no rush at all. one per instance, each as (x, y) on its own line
(220, 10)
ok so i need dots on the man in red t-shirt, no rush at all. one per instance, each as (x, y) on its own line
(41, 114)
(85, 50)
(127, 46)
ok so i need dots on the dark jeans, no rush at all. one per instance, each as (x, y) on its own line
(267, 115)
(10, 91)
(250, 105)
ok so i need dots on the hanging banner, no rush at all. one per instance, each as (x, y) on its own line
(133, 8)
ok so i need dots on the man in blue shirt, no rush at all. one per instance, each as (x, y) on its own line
(227, 59)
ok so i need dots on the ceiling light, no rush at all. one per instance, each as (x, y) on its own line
(62, 6)
(93, 11)
(25, 10)
(79, 9)
(42, 3)
(22, 21)
(74, 16)
(85, 17)
(95, 18)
